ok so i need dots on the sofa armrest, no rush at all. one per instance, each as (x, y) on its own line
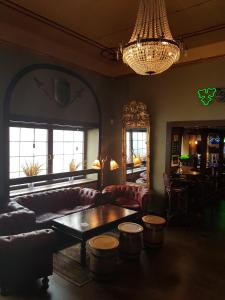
(145, 198)
(13, 206)
(29, 241)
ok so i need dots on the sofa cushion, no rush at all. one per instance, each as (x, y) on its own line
(50, 201)
(44, 219)
(127, 203)
(88, 196)
(73, 210)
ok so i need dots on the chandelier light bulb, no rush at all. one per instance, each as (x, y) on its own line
(151, 49)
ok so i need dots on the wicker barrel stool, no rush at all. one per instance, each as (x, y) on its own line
(153, 230)
(130, 240)
(103, 256)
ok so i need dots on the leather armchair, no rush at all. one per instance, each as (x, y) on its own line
(128, 196)
(24, 256)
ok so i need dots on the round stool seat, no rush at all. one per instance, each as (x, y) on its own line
(130, 240)
(129, 227)
(154, 220)
(153, 230)
(103, 256)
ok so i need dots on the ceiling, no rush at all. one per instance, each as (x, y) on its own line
(103, 24)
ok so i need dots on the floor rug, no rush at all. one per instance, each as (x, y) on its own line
(66, 263)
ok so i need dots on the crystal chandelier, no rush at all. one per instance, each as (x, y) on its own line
(151, 49)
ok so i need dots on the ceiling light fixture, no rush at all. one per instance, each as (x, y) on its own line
(151, 49)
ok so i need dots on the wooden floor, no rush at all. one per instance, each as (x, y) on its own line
(191, 265)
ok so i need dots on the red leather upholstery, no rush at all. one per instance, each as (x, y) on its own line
(23, 221)
(24, 256)
(128, 196)
(53, 204)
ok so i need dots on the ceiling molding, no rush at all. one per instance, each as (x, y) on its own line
(73, 48)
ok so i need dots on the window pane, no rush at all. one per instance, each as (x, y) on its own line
(14, 164)
(26, 149)
(14, 133)
(67, 161)
(79, 136)
(68, 148)
(43, 172)
(14, 175)
(134, 134)
(42, 160)
(40, 148)
(58, 163)
(27, 134)
(14, 148)
(71, 147)
(41, 135)
(57, 135)
(78, 147)
(68, 135)
(78, 158)
(135, 145)
(58, 148)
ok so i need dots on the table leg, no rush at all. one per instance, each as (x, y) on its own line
(83, 253)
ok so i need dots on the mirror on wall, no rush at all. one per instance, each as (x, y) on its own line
(135, 144)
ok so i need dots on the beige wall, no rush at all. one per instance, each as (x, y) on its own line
(170, 96)
(12, 61)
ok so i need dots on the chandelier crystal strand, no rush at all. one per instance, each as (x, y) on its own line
(151, 49)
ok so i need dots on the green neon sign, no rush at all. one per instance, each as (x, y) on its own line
(206, 95)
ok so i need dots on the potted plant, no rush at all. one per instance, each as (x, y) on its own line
(31, 169)
(73, 166)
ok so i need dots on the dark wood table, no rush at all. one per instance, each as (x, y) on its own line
(85, 224)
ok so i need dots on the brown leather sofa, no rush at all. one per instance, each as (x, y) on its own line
(53, 204)
(128, 196)
(25, 254)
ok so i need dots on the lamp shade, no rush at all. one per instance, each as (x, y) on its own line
(136, 161)
(96, 164)
(113, 165)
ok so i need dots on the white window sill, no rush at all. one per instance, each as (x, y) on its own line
(49, 187)
(136, 170)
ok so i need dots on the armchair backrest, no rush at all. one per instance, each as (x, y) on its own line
(127, 191)
(15, 222)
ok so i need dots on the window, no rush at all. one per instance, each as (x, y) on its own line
(68, 146)
(51, 148)
(27, 146)
(136, 144)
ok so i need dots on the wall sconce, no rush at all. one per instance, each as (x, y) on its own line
(113, 165)
(136, 160)
(100, 165)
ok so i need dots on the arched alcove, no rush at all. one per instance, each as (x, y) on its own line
(49, 94)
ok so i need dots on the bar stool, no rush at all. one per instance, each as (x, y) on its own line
(103, 256)
(153, 230)
(130, 240)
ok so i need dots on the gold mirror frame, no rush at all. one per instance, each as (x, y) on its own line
(135, 115)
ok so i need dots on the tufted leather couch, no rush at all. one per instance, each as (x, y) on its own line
(128, 196)
(53, 204)
(25, 254)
